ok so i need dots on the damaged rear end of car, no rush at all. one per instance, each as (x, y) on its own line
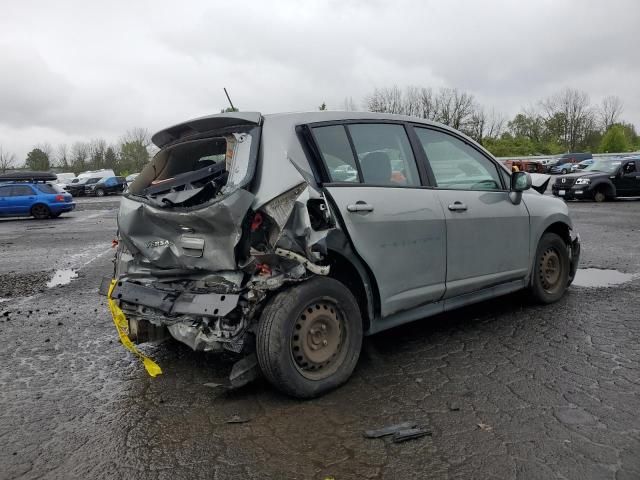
(198, 253)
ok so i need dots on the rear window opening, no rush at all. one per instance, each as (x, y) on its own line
(195, 171)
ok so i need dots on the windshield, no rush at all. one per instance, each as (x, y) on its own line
(606, 166)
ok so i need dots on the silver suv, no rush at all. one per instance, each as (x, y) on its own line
(286, 238)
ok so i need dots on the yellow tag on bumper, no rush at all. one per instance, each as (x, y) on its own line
(120, 321)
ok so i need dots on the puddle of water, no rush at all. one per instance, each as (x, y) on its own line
(62, 277)
(596, 277)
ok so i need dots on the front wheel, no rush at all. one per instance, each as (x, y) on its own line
(550, 276)
(599, 196)
(99, 192)
(309, 337)
(564, 171)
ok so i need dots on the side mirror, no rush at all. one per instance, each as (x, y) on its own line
(520, 181)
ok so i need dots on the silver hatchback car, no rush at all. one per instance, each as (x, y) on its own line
(285, 238)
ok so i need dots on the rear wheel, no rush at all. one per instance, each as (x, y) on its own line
(550, 276)
(309, 337)
(564, 171)
(99, 192)
(40, 211)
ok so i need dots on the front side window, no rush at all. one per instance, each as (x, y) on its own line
(456, 165)
(385, 154)
(630, 167)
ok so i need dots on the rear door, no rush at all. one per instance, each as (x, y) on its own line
(487, 235)
(396, 224)
(21, 200)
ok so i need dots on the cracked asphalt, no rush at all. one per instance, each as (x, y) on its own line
(508, 389)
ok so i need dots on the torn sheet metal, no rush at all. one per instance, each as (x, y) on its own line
(312, 267)
(120, 321)
(157, 234)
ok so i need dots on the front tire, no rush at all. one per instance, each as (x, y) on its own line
(564, 171)
(550, 276)
(99, 192)
(599, 196)
(309, 338)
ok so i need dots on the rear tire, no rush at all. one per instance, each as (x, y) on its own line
(309, 337)
(40, 211)
(564, 171)
(550, 275)
(99, 192)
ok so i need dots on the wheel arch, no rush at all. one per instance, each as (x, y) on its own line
(348, 269)
(609, 187)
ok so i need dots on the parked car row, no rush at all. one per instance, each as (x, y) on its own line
(604, 179)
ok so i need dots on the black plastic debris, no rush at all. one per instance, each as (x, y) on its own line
(244, 371)
(409, 434)
(238, 419)
(390, 430)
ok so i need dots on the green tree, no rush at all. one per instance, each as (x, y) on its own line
(322, 107)
(110, 158)
(133, 156)
(614, 140)
(37, 160)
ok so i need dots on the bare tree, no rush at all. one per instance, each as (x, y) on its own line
(7, 160)
(570, 109)
(79, 156)
(348, 105)
(609, 111)
(47, 149)
(385, 100)
(455, 108)
(137, 135)
(62, 156)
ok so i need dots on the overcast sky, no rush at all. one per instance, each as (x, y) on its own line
(76, 70)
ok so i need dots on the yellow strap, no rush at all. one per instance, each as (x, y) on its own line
(122, 326)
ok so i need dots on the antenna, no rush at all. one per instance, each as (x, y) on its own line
(229, 98)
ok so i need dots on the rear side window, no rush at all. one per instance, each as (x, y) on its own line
(46, 188)
(336, 153)
(383, 154)
(5, 191)
(456, 165)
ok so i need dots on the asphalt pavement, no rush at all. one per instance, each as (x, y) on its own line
(507, 389)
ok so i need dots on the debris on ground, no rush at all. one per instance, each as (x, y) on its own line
(244, 371)
(485, 427)
(238, 419)
(409, 434)
(391, 429)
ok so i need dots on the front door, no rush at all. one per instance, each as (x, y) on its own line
(5, 194)
(396, 225)
(487, 234)
(628, 184)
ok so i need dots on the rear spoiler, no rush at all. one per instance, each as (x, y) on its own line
(203, 125)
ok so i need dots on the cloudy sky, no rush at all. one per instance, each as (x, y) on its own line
(77, 70)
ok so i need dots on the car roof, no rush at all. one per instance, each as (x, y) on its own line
(222, 120)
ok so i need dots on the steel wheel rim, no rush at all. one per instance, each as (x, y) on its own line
(318, 341)
(550, 270)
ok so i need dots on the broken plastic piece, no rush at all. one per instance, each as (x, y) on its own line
(238, 419)
(244, 371)
(120, 321)
(409, 434)
(381, 432)
(312, 267)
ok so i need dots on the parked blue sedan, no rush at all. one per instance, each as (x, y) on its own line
(22, 195)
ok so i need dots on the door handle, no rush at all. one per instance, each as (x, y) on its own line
(458, 207)
(360, 206)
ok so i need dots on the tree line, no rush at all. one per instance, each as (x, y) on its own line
(127, 156)
(564, 122)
